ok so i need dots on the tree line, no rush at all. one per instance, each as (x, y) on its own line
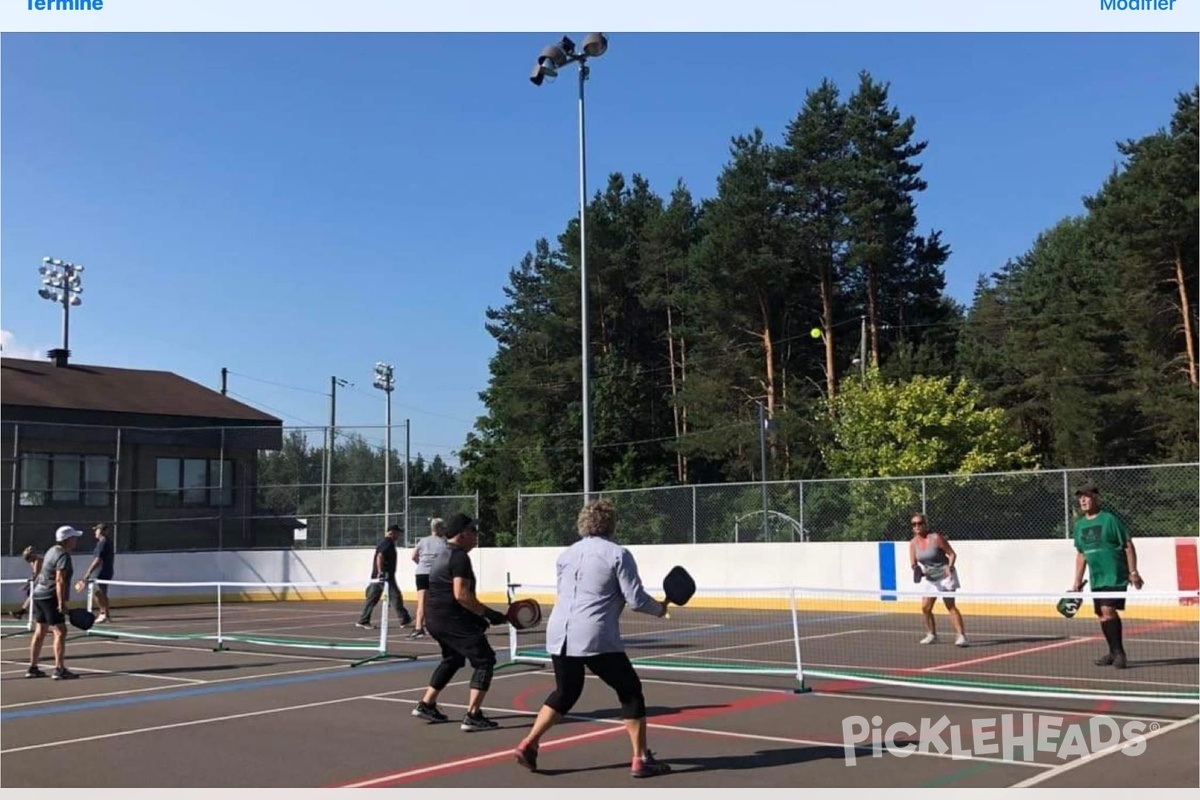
(804, 291)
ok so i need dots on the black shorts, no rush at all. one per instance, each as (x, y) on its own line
(45, 611)
(463, 639)
(1117, 603)
(422, 582)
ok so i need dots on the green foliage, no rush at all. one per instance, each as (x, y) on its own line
(919, 427)
(1073, 354)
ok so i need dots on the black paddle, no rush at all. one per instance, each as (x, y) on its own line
(679, 586)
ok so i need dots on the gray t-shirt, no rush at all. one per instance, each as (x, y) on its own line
(55, 559)
(428, 550)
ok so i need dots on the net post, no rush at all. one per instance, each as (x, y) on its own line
(801, 687)
(220, 611)
(383, 653)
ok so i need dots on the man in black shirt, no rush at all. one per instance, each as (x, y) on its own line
(103, 560)
(383, 569)
(458, 622)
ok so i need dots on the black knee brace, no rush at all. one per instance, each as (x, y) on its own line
(481, 679)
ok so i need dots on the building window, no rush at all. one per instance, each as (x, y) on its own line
(65, 479)
(193, 482)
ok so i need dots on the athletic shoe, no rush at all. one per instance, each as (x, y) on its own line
(648, 766)
(527, 756)
(417, 633)
(34, 672)
(406, 620)
(64, 674)
(429, 713)
(961, 642)
(1105, 660)
(930, 638)
(1119, 661)
(101, 619)
(366, 626)
(478, 722)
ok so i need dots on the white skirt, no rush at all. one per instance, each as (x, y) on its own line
(947, 583)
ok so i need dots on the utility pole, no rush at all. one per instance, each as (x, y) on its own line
(762, 449)
(334, 383)
(407, 458)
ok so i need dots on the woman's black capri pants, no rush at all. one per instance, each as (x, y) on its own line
(612, 668)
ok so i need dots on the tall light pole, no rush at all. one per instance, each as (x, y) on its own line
(552, 59)
(385, 382)
(61, 283)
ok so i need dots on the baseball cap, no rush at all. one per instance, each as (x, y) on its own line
(457, 524)
(66, 532)
(1087, 488)
(394, 529)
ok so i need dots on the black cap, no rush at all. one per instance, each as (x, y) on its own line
(457, 524)
(1087, 488)
(394, 529)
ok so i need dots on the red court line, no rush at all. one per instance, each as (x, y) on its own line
(471, 762)
(1037, 648)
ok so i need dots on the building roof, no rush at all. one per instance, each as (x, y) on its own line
(84, 387)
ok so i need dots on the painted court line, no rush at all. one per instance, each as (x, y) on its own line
(175, 725)
(74, 668)
(1130, 636)
(1089, 758)
(716, 732)
(746, 645)
(218, 686)
(744, 703)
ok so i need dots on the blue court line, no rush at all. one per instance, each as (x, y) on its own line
(200, 691)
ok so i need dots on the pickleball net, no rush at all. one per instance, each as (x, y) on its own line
(14, 623)
(224, 615)
(1018, 644)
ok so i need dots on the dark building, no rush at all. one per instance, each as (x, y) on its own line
(170, 462)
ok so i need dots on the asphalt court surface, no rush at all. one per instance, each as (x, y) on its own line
(166, 712)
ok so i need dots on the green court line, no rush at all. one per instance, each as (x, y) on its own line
(1025, 687)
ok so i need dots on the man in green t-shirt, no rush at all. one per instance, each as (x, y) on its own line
(1105, 549)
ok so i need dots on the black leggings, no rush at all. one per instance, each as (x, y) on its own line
(462, 643)
(612, 668)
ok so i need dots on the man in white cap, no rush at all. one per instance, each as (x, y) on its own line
(48, 603)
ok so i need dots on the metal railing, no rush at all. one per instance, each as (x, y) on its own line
(1156, 500)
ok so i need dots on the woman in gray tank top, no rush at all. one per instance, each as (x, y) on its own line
(423, 556)
(932, 560)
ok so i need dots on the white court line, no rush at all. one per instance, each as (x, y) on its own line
(164, 688)
(174, 725)
(206, 721)
(1024, 651)
(983, 635)
(75, 668)
(650, 723)
(910, 670)
(927, 702)
(1090, 757)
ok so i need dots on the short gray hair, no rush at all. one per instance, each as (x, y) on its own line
(437, 526)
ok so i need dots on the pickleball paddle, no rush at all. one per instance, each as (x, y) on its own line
(679, 586)
(81, 618)
(524, 614)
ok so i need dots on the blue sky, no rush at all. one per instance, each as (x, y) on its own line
(298, 206)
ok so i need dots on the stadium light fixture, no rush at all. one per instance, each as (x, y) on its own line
(551, 61)
(62, 283)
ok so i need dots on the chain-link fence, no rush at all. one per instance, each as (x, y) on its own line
(1158, 500)
(233, 487)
